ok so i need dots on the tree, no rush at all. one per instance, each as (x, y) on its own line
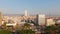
(26, 26)
(4, 32)
(26, 29)
(50, 29)
(26, 32)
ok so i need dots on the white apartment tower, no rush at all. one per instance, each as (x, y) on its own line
(41, 19)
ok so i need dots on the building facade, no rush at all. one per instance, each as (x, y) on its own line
(41, 19)
(50, 22)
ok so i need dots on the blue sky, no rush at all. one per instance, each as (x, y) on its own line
(32, 6)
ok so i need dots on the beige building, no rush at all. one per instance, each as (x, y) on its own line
(50, 22)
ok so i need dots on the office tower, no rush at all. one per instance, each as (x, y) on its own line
(50, 22)
(41, 19)
(0, 18)
(26, 13)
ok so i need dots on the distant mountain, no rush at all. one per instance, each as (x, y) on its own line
(12, 14)
(15, 15)
(23, 14)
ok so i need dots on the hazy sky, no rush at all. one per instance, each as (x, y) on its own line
(32, 6)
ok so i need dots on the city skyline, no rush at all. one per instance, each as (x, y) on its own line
(48, 7)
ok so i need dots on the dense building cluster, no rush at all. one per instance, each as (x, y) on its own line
(36, 22)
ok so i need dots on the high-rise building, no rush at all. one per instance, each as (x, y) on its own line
(41, 19)
(26, 13)
(0, 18)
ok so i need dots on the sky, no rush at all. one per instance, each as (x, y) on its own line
(48, 7)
